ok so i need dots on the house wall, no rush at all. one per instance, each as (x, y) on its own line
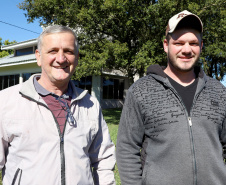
(98, 93)
(20, 69)
(96, 87)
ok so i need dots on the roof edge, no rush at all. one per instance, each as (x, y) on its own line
(30, 42)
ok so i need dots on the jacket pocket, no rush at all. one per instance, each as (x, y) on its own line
(17, 177)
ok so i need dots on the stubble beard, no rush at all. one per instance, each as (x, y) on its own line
(175, 66)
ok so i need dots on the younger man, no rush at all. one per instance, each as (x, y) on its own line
(173, 128)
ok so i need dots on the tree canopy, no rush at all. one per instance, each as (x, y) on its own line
(4, 53)
(127, 34)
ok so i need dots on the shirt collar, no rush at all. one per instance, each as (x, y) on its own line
(43, 92)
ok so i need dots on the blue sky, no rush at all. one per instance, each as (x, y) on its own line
(11, 14)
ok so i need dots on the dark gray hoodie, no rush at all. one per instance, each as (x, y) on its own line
(159, 144)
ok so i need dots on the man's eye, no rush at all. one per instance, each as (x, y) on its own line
(194, 44)
(69, 52)
(178, 44)
(52, 51)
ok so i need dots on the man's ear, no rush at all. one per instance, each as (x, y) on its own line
(77, 55)
(76, 59)
(201, 46)
(38, 56)
(165, 45)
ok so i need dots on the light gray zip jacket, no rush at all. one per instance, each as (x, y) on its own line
(34, 152)
(159, 144)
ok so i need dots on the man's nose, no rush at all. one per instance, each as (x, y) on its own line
(186, 48)
(60, 57)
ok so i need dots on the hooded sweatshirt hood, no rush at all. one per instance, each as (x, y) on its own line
(159, 70)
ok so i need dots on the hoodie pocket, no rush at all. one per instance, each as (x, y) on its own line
(17, 177)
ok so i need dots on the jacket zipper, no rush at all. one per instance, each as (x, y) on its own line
(18, 172)
(190, 130)
(190, 126)
(193, 150)
(62, 156)
(63, 179)
(192, 138)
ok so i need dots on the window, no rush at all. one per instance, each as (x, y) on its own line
(24, 51)
(113, 88)
(9, 80)
(26, 76)
(84, 83)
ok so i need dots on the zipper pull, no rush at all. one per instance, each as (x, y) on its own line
(62, 140)
(189, 121)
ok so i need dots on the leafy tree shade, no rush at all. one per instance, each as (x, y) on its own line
(4, 53)
(128, 34)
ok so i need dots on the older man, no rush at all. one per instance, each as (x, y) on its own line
(52, 132)
(173, 125)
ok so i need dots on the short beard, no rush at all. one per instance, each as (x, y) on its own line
(179, 69)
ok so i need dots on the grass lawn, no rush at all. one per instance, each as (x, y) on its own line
(112, 117)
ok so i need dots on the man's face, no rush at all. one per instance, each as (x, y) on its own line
(183, 50)
(57, 58)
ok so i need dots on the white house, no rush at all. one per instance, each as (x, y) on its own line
(18, 67)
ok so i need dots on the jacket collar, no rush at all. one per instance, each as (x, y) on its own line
(157, 72)
(28, 90)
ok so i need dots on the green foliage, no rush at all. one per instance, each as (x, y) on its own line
(214, 51)
(127, 34)
(5, 52)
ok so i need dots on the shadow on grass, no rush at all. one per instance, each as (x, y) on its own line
(112, 116)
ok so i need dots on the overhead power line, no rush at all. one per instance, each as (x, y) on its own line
(18, 27)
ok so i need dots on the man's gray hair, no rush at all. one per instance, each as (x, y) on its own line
(57, 29)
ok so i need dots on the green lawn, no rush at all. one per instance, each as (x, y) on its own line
(112, 117)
